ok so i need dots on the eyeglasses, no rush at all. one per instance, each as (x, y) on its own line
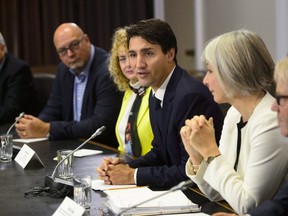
(279, 97)
(74, 45)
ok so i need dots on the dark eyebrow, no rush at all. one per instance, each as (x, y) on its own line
(147, 49)
(142, 50)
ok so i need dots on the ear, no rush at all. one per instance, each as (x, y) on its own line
(86, 38)
(170, 55)
(2, 47)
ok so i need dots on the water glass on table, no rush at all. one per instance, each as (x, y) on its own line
(65, 170)
(82, 190)
(6, 147)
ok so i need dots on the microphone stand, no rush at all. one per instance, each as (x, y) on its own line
(63, 185)
(181, 186)
(21, 115)
(15, 147)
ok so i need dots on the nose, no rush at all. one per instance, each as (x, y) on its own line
(140, 63)
(205, 80)
(127, 63)
(275, 106)
(70, 52)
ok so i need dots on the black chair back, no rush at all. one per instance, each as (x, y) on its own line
(44, 83)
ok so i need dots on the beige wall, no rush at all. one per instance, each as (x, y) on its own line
(219, 16)
(180, 15)
(254, 15)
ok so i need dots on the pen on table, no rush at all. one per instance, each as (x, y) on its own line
(121, 188)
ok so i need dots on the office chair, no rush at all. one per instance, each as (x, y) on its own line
(44, 83)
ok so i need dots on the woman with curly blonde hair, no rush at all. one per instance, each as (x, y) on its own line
(133, 129)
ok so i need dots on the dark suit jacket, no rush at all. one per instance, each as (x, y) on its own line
(17, 90)
(164, 165)
(278, 206)
(101, 103)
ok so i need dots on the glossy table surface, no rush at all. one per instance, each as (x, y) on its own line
(15, 181)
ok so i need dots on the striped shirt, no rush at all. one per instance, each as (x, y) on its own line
(79, 88)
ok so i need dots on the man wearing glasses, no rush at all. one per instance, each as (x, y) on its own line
(83, 98)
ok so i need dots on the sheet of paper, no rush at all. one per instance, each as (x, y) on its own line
(98, 184)
(86, 152)
(30, 140)
(143, 201)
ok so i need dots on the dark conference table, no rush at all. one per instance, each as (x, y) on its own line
(15, 181)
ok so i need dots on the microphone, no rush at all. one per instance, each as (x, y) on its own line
(65, 186)
(21, 115)
(181, 186)
(16, 148)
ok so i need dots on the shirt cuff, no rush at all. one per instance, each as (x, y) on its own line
(135, 176)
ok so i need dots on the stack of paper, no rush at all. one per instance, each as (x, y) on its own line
(30, 140)
(170, 203)
(99, 185)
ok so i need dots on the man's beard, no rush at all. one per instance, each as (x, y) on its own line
(78, 66)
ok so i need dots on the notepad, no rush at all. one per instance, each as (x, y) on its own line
(171, 203)
(99, 185)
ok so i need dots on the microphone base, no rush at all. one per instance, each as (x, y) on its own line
(58, 188)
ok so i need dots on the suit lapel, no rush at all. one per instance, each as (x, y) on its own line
(153, 118)
(89, 85)
(168, 101)
(68, 95)
(167, 109)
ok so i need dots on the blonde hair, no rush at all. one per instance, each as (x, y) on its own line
(119, 40)
(281, 71)
(241, 62)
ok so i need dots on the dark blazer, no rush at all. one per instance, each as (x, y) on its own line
(17, 90)
(278, 206)
(101, 103)
(164, 165)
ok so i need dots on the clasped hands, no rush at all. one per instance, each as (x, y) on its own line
(198, 137)
(115, 171)
(32, 127)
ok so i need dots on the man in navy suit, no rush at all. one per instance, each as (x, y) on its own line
(278, 206)
(175, 97)
(83, 98)
(17, 89)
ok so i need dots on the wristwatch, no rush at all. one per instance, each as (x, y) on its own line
(211, 158)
